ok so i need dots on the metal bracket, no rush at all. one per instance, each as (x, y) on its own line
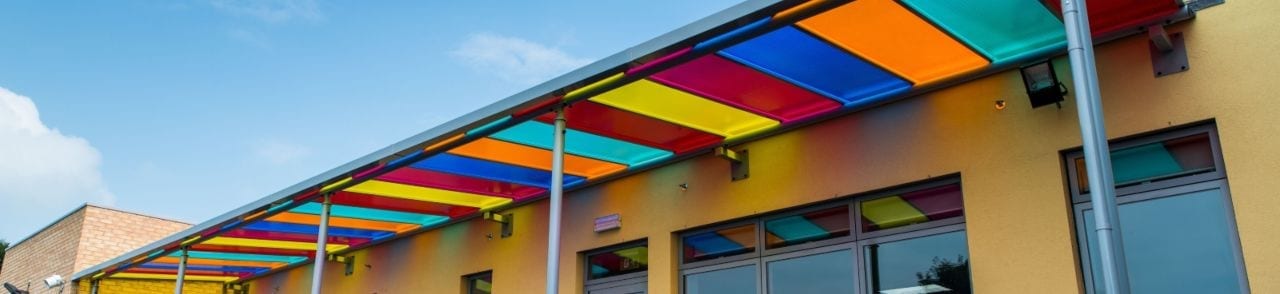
(1168, 51)
(348, 260)
(739, 165)
(506, 220)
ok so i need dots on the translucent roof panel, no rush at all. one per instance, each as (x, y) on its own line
(728, 82)
(602, 120)
(397, 204)
(805, 60)
(472, 167)
(533, 157)
(665, 103)
(428, 178)
(205, 261)
(411, 192)
(239, 256)
(371, 214)
(889, 35)
(1002, 30)
(539, 134)
(1113, 15)
(342, 222)
(315, 230)
(285, 236)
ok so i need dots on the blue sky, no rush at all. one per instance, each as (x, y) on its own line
(188, 109)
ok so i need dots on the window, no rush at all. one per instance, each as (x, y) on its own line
(478, 283)
(620, 269)
(1176, 223)
(908, 240)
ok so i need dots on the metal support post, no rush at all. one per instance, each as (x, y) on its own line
(93, 286)
(1097, 153)
(322, 240)
(182, 271)
(557, 196)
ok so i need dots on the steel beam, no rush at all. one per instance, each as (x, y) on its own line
(322, 239)
(557, 198)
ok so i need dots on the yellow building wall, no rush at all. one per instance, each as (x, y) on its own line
(1018, 218)
(136, 286)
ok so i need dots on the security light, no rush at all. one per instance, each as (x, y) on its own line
(55, 281)
(14, 289)
(1041, 82)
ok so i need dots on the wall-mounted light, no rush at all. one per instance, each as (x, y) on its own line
(14, 289)
(55, 281)
(1041, 82)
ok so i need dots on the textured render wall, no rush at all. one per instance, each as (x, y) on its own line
(109, 233)
(48, 252)
(134, 286)
(1019, 228)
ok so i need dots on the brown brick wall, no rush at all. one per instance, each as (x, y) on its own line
(132, 286)
(108, 233)
(50, 251)
(89, 236)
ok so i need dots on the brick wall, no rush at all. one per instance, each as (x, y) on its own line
(108, 233)
(50, 251)
(89, 236)
(133, 286)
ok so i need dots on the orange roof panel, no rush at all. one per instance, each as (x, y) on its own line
(533, 157)
(892, 37)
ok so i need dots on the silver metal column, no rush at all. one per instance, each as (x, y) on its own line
(182, 271)
(1097, 153)
(557, 196)
(93, 286)
(322, 240)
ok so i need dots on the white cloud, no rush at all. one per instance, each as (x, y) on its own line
(280, 152)
(275, 11)
(514, 59)
(43, 173)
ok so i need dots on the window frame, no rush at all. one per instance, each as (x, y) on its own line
(468, 279)
(1219, 172)
(760, 258)
(590, 284)
(1149, 189)
(1220, 184)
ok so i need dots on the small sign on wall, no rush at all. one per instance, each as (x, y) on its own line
(608, 223)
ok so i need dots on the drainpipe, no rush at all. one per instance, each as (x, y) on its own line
(1097, 153)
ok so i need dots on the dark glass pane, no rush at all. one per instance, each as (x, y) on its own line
(1178, 244)
(1175, 157)
(738, 280)
(830, 272)
(912, 208)
(618, 262)
(725, 242)
(933, 264)
(807, 227)
(480, 284)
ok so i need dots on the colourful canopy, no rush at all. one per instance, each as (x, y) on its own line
(796, 64)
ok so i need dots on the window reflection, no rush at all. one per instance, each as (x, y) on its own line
(932, 264)
(480, 284)
(830, 272)
(1177, 244)
(912, 208)
(807, 227)
(738, 280)
(1175, 157)
(618, 262)
(720, 243)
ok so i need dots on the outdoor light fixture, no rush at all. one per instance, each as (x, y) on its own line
(55, 281)
(1043, 87)
(14, 289)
